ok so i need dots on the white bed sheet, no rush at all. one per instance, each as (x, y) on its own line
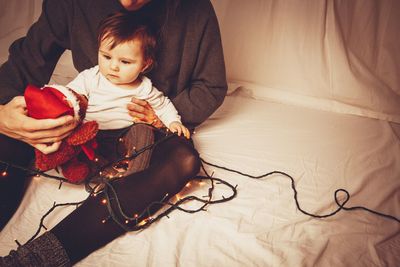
(323, 151)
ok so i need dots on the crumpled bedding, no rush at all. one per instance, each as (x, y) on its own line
(322, 151)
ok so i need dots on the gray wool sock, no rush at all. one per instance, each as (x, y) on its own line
(45, 251)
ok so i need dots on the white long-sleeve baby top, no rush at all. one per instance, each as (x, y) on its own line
(108, 102)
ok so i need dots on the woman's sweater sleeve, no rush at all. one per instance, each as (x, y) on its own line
(208, 86)
(32, 58)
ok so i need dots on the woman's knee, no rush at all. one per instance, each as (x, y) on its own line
(178, 157)
(188, 160)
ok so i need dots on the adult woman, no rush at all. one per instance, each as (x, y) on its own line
(190, 70)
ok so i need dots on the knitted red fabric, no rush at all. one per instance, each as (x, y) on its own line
(49, 102)
(75, 171)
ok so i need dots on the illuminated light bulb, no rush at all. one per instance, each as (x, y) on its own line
(120, 175)
(142, 222)
(4, 173)
(103, 221)
(194, 132)
(121, 139)
(37, 175)
(135, 215)
(104, 201)
(100, 173)
(126, 221)
(96, 159)
(166, 194)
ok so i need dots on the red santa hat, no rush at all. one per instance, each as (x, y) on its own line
(51, 101)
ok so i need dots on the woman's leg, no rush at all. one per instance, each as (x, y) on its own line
(12, 186)
(173, 163)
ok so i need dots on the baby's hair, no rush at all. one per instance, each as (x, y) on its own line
(124, 27)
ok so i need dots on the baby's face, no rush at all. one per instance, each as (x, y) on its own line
(122, 64)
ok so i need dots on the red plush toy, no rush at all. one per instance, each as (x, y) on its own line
(55, 101)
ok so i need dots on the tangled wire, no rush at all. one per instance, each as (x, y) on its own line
(97, 183)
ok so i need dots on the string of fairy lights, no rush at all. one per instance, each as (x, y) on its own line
(101, 182)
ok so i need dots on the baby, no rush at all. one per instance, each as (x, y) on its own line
(126, 52)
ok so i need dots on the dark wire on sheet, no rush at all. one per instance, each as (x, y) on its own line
(145, 219)
(341, 205)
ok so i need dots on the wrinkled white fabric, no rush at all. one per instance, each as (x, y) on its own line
(323, 151)
(335, 55)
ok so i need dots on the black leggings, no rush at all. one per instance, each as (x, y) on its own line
(172, 164)
(12, 186)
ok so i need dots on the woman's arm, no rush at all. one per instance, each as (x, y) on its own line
(38, 133)
(32, 60)
(207, 88)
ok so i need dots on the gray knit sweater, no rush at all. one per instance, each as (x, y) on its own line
(190, 66)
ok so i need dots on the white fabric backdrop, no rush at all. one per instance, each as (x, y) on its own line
(15, 18)
(341, 56)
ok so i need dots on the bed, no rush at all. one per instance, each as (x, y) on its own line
(309, 98)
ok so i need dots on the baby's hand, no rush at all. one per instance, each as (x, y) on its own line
(177, 127)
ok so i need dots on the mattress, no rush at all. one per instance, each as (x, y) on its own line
(261, 226)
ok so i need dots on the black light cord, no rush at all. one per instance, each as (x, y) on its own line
(145, 219)
(341, 205)
(111, 196)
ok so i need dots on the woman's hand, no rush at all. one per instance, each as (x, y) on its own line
(179, 128)
(45, 134)
(141, 111)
